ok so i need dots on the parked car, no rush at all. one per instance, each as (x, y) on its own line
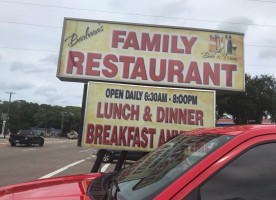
(72, 135)
(112, 154)
(26, 137)
(235, 162)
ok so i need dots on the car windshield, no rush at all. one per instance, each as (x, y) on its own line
(146, 178)
(26, 132)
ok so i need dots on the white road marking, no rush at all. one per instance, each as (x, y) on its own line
(84, 150)
(62, 169)
(105, 167)
(29, 150)
(62, 146)
(87, 150)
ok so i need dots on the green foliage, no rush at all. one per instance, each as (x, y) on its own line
(24, 115)
(257, 102)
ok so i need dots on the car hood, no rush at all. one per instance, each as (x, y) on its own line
(61, 188)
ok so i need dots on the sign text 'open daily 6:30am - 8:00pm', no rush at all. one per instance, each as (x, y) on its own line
(152, 55)
(142, 118)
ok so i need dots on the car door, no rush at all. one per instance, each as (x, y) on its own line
(246, 172)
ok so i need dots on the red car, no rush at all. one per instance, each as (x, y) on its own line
(236, 163)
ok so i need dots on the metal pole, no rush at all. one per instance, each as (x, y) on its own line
(82, 113)
(11, 93)
(3, 127)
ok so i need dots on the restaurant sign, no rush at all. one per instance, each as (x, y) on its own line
(151, 55)
(142, 118)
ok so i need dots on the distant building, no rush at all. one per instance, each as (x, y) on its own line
(230, 122)
(51, 132)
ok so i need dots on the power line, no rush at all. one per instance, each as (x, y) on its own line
(24, 49)
(260, 65)
(263, 1)
(27, 24)
(264, 46)
(137, 14)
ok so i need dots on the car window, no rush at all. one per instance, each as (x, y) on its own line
(153, 173)
(27, 132)
(249, 177)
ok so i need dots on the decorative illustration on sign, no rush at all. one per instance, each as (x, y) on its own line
(221, 47)
(75, 38)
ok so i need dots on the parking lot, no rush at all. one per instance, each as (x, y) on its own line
(58, 157)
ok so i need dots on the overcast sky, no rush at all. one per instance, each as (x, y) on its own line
(31, 30)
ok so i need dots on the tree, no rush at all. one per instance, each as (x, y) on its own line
(257, 102)
(24, 115)
(72, 116)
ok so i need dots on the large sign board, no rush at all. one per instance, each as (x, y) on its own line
(142, 118)
(151, 55)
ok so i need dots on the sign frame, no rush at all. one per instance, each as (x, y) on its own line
(84, 135)
(100, 79)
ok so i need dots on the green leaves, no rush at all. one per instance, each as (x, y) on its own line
(257, 102)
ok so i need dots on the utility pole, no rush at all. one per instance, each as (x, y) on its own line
(62, 116)
(11, 93)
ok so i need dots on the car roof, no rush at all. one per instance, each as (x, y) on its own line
(235, 130)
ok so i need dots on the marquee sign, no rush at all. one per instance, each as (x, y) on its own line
(151, 55)
(142, 118)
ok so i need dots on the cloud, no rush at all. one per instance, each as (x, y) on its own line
(47, 91)
(174, 8)
(29, 68)
(267, 53)
(16, 85)
(236, 24)
(50, 59)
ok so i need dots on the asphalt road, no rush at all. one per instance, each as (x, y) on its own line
(58, 157)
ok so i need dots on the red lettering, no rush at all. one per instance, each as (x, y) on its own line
(174, 48)
(98, 134)
(162, 69)
(147, 44)
(191, 117)
(72, 62)
(136, 139)
(175, 72)
(117, 111)
(106, 113)
(90, 63)
(229, 68)
(161, 138)
(144, 141)
(126, 62)
(122, 137)
(193, 73)
(165, 46)
(188, 43)
(106, 134)
(199, 117)
(99, 114)
(131, 41)
(113, 68)
(116, 39)
(129, 135)
(139, 69)
(89, 134)
(160, 113)
(209, 73)
(114, 137)
(151, 132)
(125, 116)
(182, 116)
(135, 112)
